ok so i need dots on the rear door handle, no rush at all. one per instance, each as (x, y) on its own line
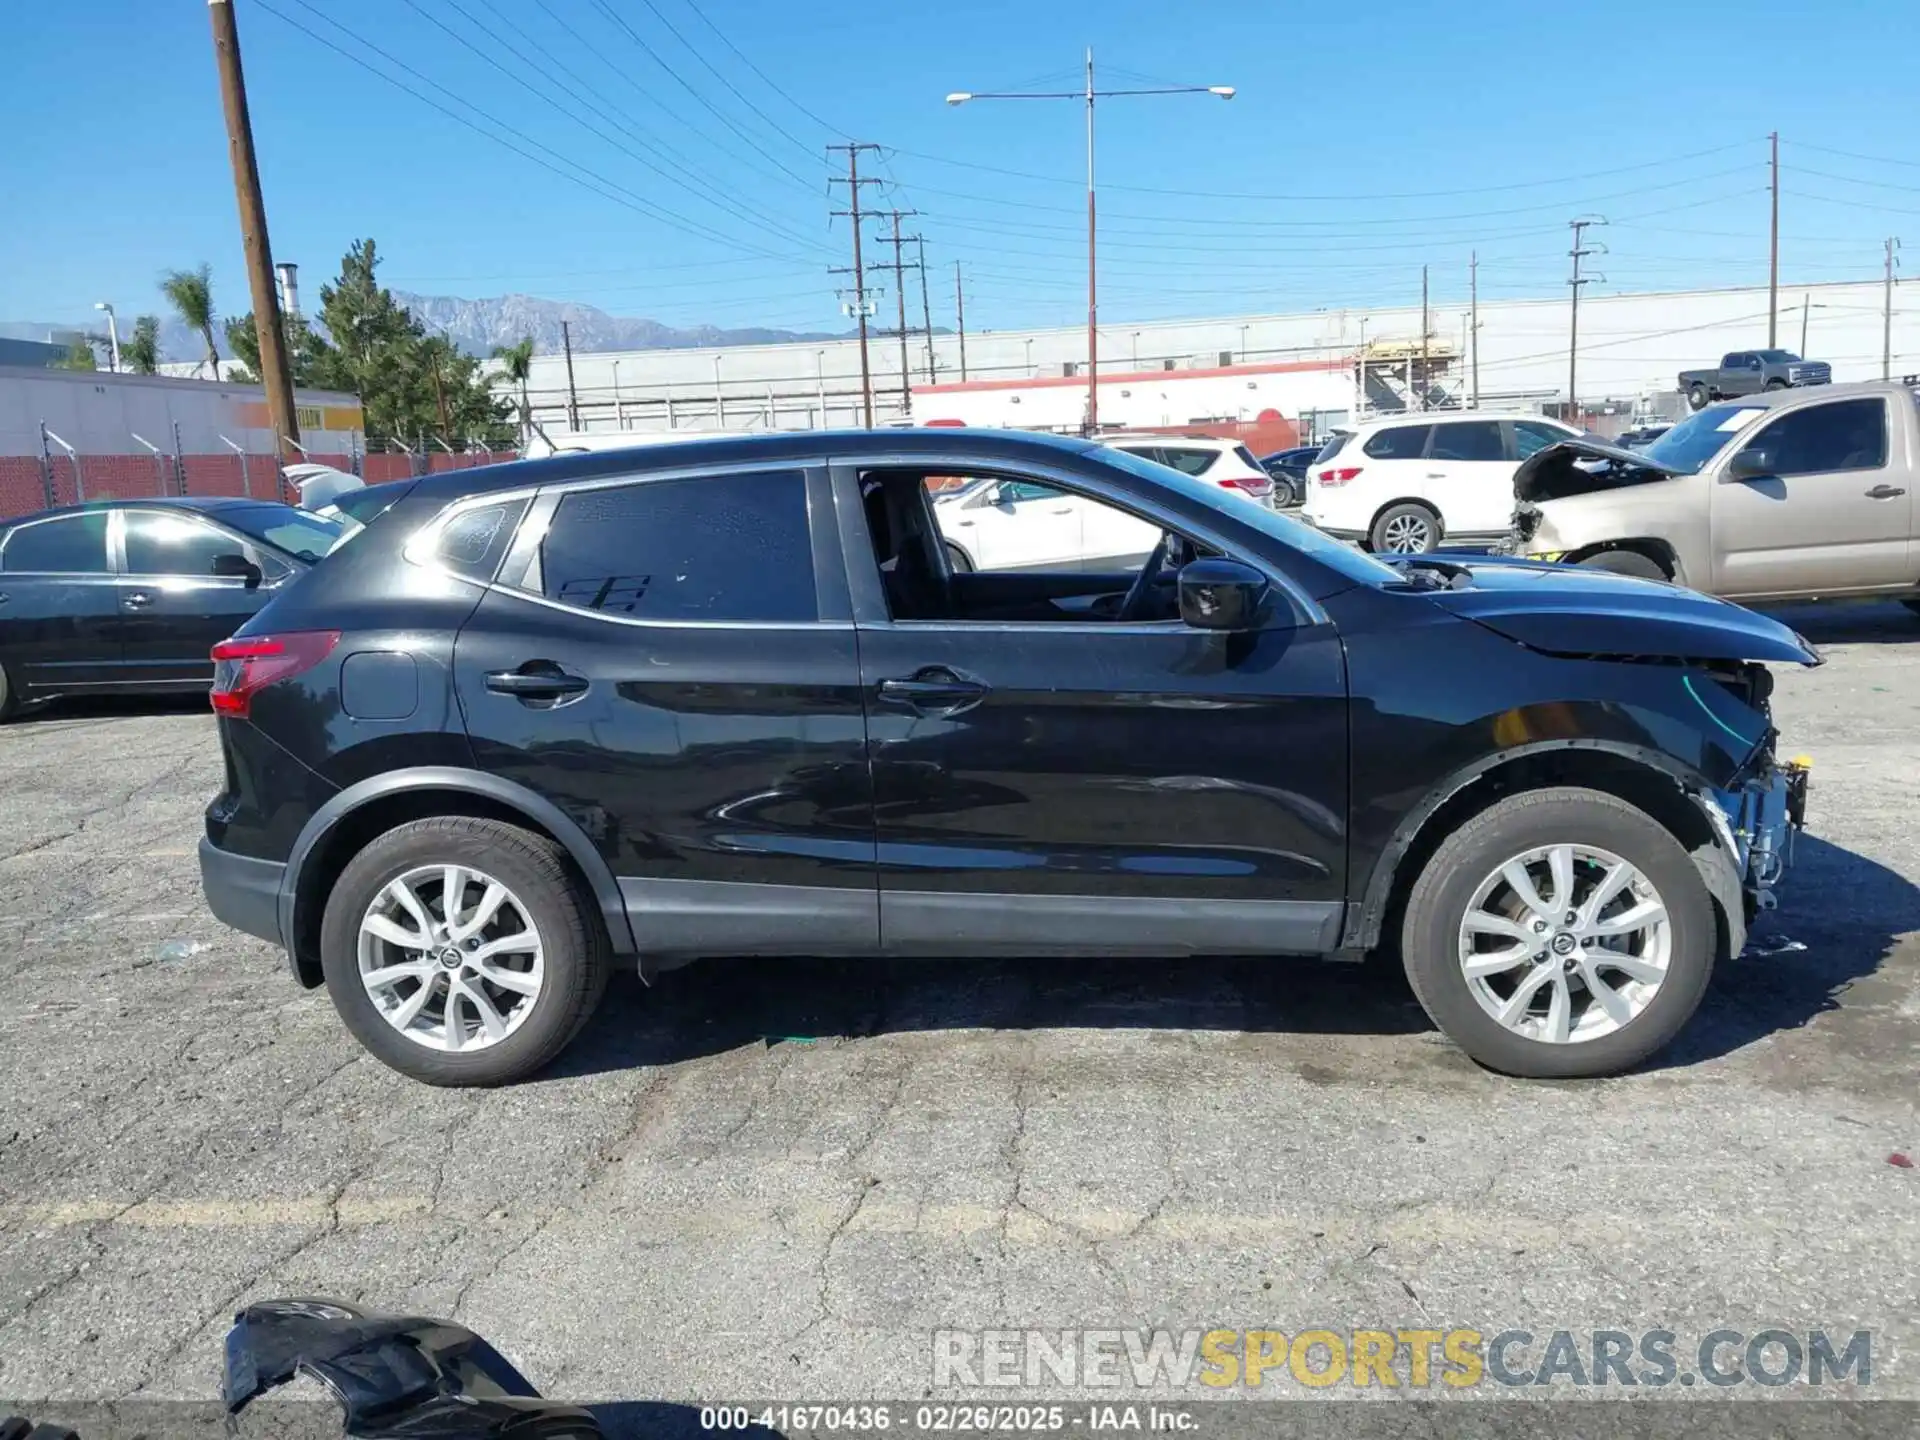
(546, 682)
(935, 690)
(1885, 492)
(136, 599)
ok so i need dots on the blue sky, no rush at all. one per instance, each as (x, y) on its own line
(1365, 140)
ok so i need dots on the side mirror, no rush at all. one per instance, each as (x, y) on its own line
(1222, 595)
(238, 567)
(1750, 464)
(1002, 496)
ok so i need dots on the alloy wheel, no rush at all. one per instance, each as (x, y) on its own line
(1565, 943)
(450, 957)
(1407, 535)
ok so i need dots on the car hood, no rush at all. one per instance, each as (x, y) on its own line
(1570, 610)
(1580, 466)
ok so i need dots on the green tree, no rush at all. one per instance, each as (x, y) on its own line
(516, 368)
(142, 350)
(307, 350)
(190, 293)
(79, 356)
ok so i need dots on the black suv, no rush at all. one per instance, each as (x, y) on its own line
(730, 697)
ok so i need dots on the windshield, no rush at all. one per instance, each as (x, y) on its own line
(1688, 446)
(304, 533)
(1357, 566)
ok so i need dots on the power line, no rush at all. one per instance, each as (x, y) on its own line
(759, 73)
(594, 182)
(704, 103)
(733, 89)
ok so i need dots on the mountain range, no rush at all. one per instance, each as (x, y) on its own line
(476, 326)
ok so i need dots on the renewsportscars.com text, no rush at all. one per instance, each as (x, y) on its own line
(1402, 1358)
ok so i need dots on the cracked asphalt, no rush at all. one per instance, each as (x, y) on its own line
(775, 1180)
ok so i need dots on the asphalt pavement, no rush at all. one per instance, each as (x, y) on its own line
(779, 1179)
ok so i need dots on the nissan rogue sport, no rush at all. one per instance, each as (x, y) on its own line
(724, 698)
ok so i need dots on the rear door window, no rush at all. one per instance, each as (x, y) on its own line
(1189, 461)
(71, 545)
(714, 548)
(1398, 442)
(1467, 440)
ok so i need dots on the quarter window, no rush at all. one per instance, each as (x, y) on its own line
(72, 545)
(1843, 435)
(1399, 442)
(473, 543)
(722, 547)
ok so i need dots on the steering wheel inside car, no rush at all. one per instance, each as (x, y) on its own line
(1138, 593)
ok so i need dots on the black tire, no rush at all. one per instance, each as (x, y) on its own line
(1913, 605)
(1536, 818)
(1286, 492)
(1627, 562)
(9, 694)
(1408, 512)
(1699, 397)
(1776, 384)
(957, 560)
(573, 939)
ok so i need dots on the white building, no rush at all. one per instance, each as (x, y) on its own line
(1630, 346)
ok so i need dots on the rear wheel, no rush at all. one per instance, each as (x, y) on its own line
(1286, 491)
(1560, 933)
(1698, 396)
(9, 697)
(1405, 529)
(461, 951)
(1627, 562)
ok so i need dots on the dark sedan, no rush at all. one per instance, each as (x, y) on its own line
(1289, 471)
(130, 596)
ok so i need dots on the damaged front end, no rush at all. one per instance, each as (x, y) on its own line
(394, 1375)
(1573, 467)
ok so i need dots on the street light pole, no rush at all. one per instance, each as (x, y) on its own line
(113, 336)
(1089, 94)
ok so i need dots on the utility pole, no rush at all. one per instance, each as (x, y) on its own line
(1773, 251)
(899, 266)
(573, 399)
(853, 182)
(960, 319)
(1886, 316)
(1426, 361)
(275, 376)
(1578, 253)
(926, 310)
(1473, 286)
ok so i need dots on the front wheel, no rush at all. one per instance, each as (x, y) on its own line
(1627, 562)
(461, 951)
(9, 696)
(1406, 529)
(1560, 933)
(1776, 384)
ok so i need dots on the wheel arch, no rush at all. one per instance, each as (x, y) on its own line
(1425, 504)
(1662, 552)
(1652, 782)
(342, 827)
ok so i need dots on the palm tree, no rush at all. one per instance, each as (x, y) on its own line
(190, 292)
(516, 362)
(142, 350)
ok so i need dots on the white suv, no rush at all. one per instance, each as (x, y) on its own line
(1412, 482)
(1226, 463)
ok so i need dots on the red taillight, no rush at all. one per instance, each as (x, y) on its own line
(1247, 483)
(1338, 477)
(244, 666)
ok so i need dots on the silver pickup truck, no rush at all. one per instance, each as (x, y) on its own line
(1752, 372)
(1793, 494)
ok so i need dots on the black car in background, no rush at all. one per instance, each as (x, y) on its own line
(731, 697)
(130, 596)
(1289, 471)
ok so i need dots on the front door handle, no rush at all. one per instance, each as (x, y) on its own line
(136, 599)
(935, 690)
(536, 680)
(1885, 492)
